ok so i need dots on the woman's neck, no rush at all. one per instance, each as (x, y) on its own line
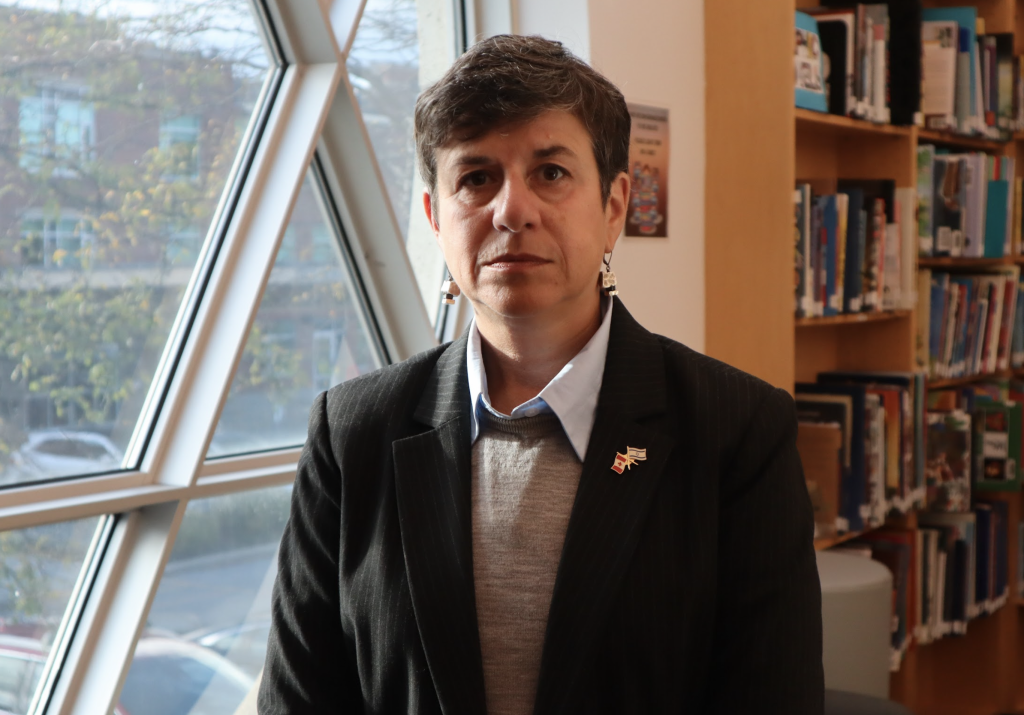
(522, 355)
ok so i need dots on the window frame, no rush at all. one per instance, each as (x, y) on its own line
(309, 117)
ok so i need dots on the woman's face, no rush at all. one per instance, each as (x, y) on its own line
(520, 220)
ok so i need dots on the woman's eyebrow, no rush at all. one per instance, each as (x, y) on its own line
(556, 150)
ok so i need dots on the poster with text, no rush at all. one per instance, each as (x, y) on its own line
(648, 172)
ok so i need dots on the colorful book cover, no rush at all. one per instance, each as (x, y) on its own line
(808, 65)
(948, 465)
(996, 446)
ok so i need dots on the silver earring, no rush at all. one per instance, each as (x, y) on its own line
(608, 278)
(450, 290)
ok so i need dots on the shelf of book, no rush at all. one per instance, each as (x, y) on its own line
(807, 118)
(960, 141)
(958, 262)
(940, 383)
(978, 673)
(851, 318)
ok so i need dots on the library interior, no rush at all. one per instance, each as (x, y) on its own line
(210, 213)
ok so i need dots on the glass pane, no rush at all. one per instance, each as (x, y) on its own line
(309, 334)
(206, 636)
(38, 570)
(126, 119)
(400, 49)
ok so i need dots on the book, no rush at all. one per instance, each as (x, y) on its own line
(842, 221)
(964, 69)
(948, 467)
(808, 65)
(803, 280)
(997, 575)
(962, 527)
(830, 221)
(966, 18)
(923, 324)
(906, 209)
(878, 91)
(880, 201)
(996, 446)
(860, 493)
(838, 409)
(925, 191)
(996, 218)
(1004, 83)
(940, 41)
(947, 212)
(855, 232)
(837, 30)
(903, 398)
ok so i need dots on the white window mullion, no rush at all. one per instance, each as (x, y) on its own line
(236, 283)
(100, 654)
(117, 608)
(358, 189)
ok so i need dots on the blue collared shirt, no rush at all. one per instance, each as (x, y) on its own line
(571, 395)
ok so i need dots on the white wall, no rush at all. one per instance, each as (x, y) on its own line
(654, 51)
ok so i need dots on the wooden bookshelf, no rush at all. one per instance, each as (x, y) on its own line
(963, 263)
(849, 125)
(849, 318)
(959, 141)
(752, 164)
(970, 379)
(827, 542)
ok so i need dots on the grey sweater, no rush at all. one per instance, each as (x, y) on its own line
(525, 475)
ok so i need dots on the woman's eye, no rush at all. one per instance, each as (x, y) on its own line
(553, 173)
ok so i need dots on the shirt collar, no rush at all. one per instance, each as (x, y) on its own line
(571, 395)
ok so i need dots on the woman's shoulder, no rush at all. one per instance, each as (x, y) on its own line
(388, 384)
(704, 369)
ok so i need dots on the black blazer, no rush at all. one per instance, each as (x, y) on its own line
(687, 584)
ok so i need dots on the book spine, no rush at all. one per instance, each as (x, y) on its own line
(1006, 325)
(800, 253)
(906, 202)
(878, 73)
(925, 191)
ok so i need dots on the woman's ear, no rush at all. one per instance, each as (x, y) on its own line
(428, 209)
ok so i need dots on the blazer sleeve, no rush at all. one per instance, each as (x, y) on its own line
(310, 666)
(768, 640)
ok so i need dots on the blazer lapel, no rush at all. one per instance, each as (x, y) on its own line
(432, 476)
(610, 508)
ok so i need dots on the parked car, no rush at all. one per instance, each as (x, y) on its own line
(245, 645)
(172, 676)
(169, 676)
(60, 453)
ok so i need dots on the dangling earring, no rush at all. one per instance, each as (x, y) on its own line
(450, 290)
(608, 278)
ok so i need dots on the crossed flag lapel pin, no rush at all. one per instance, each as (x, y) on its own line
(627, 460)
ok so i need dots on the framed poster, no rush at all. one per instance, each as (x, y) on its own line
(648, 172)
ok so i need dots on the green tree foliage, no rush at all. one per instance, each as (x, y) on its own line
(117, 137)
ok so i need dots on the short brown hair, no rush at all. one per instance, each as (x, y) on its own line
(508, 79)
